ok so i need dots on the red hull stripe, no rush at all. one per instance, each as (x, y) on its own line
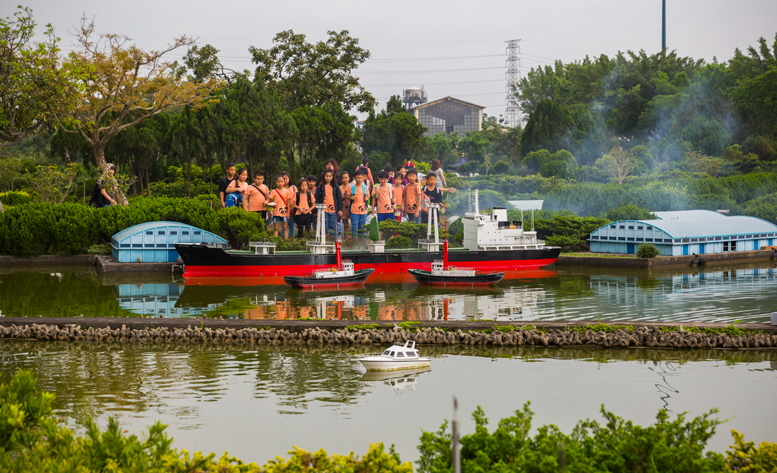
(383, 268)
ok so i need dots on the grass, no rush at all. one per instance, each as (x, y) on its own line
(102, 249)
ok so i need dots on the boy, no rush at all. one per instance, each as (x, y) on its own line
(359, 197)
(433, 195)
(413, 196)
(344, 222)
(256, 195)
(312, 189)
(399, 196)
(225, 182)
(281, 196)
(383, 196)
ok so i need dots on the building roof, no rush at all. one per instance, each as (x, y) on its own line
(445, 99)
(140, 228)
(703, 223)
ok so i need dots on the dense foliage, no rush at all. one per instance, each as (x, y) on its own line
(647, 250)
(36, 229)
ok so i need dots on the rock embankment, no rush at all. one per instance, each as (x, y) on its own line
(652, 337)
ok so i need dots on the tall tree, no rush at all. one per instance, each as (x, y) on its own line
(306, 74)
(122, 81)
(619, 163)
(33, 84)
(548, 128)
(394, 131)
(324, 132)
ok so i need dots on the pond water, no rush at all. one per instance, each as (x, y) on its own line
(259, 402)
(713, 294)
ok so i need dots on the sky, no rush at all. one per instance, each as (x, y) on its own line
(452, 48)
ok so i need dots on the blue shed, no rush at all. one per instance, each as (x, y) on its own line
(152, 242)
(685, 232)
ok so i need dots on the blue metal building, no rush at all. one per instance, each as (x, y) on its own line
(152, 242)
(685, 232)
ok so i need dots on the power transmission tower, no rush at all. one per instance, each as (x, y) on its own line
(512, 75)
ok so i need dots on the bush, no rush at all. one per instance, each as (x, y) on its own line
(629, 212)
(398, 241)
(32, 440)
(647, 250)
(409, 230)
(37, 229)
(13, 198)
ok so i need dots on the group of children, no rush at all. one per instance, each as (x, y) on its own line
(400, 197)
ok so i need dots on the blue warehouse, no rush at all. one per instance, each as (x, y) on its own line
(685, 232)
(152, 242)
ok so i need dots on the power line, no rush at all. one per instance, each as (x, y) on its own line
(434, 83)
(428, 71)
(439, 58)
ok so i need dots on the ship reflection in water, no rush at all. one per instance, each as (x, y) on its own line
(399, 380)
(716, 295)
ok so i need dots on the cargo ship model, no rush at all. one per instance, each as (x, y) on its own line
(490, 242)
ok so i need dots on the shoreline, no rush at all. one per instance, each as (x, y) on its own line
(106, 264)
(622, 334)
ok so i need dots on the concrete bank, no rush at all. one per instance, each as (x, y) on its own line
(665, 261)
(105, 264)
(614, 334)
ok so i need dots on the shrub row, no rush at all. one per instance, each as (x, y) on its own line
(37, 229)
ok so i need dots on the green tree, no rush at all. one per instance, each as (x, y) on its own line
(548, 127)
(324, 132)
(305, 74)
(394, 131)
(34, 87)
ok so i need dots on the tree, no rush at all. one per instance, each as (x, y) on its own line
(324, 132)
(33, 85)
(619, 163)
(306, 74)
(125, 85)
(548, 127)
(394, 131)
(52, 185)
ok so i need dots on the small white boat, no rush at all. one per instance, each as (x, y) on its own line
(396, 358)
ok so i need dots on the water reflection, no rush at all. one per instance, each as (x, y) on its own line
(402, 380)
(724, 294)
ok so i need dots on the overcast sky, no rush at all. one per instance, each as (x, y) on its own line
(453, 48)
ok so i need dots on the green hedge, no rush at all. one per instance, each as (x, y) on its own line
(12, 198)
(67, 229)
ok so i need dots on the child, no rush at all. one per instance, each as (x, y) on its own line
(256, 195)
(237, 188)
(345, 220)
(399, 196)
(383, 196)
(293, 189)
(312, 189)
(329, 194)
(413, 197)
(304, 205)
(359, 197)
(281, 196)
(434, 195)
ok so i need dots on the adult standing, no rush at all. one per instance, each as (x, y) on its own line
(100, 197)
(330, 164)
(437, 171)
(225, 182)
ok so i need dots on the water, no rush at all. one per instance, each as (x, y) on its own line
(715, 294)
(259, 402)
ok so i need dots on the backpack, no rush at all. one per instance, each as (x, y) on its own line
(353, 193)
(234, 199)
(310, 202)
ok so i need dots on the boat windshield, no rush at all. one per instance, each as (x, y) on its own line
(387, 352)
(391, 354)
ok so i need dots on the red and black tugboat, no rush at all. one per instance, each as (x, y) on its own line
(491, 243)
(338, 277)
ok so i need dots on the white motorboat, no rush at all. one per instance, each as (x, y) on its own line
(396, 358)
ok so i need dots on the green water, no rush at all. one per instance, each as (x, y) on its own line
(714, 294)
(259, 402)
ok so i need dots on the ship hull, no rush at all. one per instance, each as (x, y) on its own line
(310, 282)
(428, 279)
(203, 261)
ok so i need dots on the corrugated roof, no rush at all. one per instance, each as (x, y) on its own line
(445, 99)
(142, 227)
(703, 223)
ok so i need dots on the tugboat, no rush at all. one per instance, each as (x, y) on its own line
(343, 275)
(396, 358)
(443, 275)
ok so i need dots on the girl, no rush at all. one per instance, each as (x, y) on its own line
(236, 189)
(280, 214)
(329, 194)
(330, 164)
(437, 170)
(291, 187)
(345, 220)
(399, 196)
(304, 204)
(365, 165)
